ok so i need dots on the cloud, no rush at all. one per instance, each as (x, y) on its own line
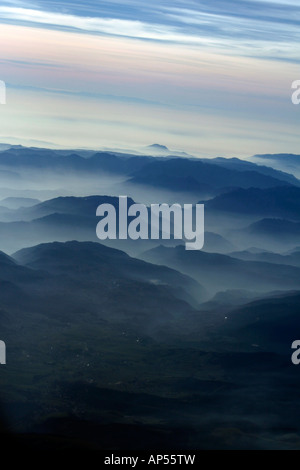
(88, 94)
(20, 3)
(113, 26)
(256, 28)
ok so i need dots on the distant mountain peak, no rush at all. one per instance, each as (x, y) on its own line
(158, 147)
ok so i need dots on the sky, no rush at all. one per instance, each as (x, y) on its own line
(212, 78)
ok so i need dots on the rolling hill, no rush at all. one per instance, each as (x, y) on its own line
(201, 176)
(280, 202)
(218, 272)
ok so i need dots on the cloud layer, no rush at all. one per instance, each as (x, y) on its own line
(268, 29)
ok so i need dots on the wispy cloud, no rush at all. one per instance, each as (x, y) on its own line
(113, 26)
(256, 28)
(269, 36)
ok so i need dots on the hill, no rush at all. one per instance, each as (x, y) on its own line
(195, 175)
(281, 202)
(218, 272)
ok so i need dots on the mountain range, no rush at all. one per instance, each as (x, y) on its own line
(140, 344)
(203, 176)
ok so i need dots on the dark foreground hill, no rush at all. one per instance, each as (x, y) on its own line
(270, 324)
(101, 267)
(103, 351)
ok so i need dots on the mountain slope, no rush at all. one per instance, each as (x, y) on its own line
(284, 162)
(282, 202)
(218, 272)
(191, 175)
(292, 259)
(282, 227)
(243, 165)
(79, 206)
(270, 324)
(94, 261)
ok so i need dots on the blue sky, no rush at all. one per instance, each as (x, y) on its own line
(209, 77)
